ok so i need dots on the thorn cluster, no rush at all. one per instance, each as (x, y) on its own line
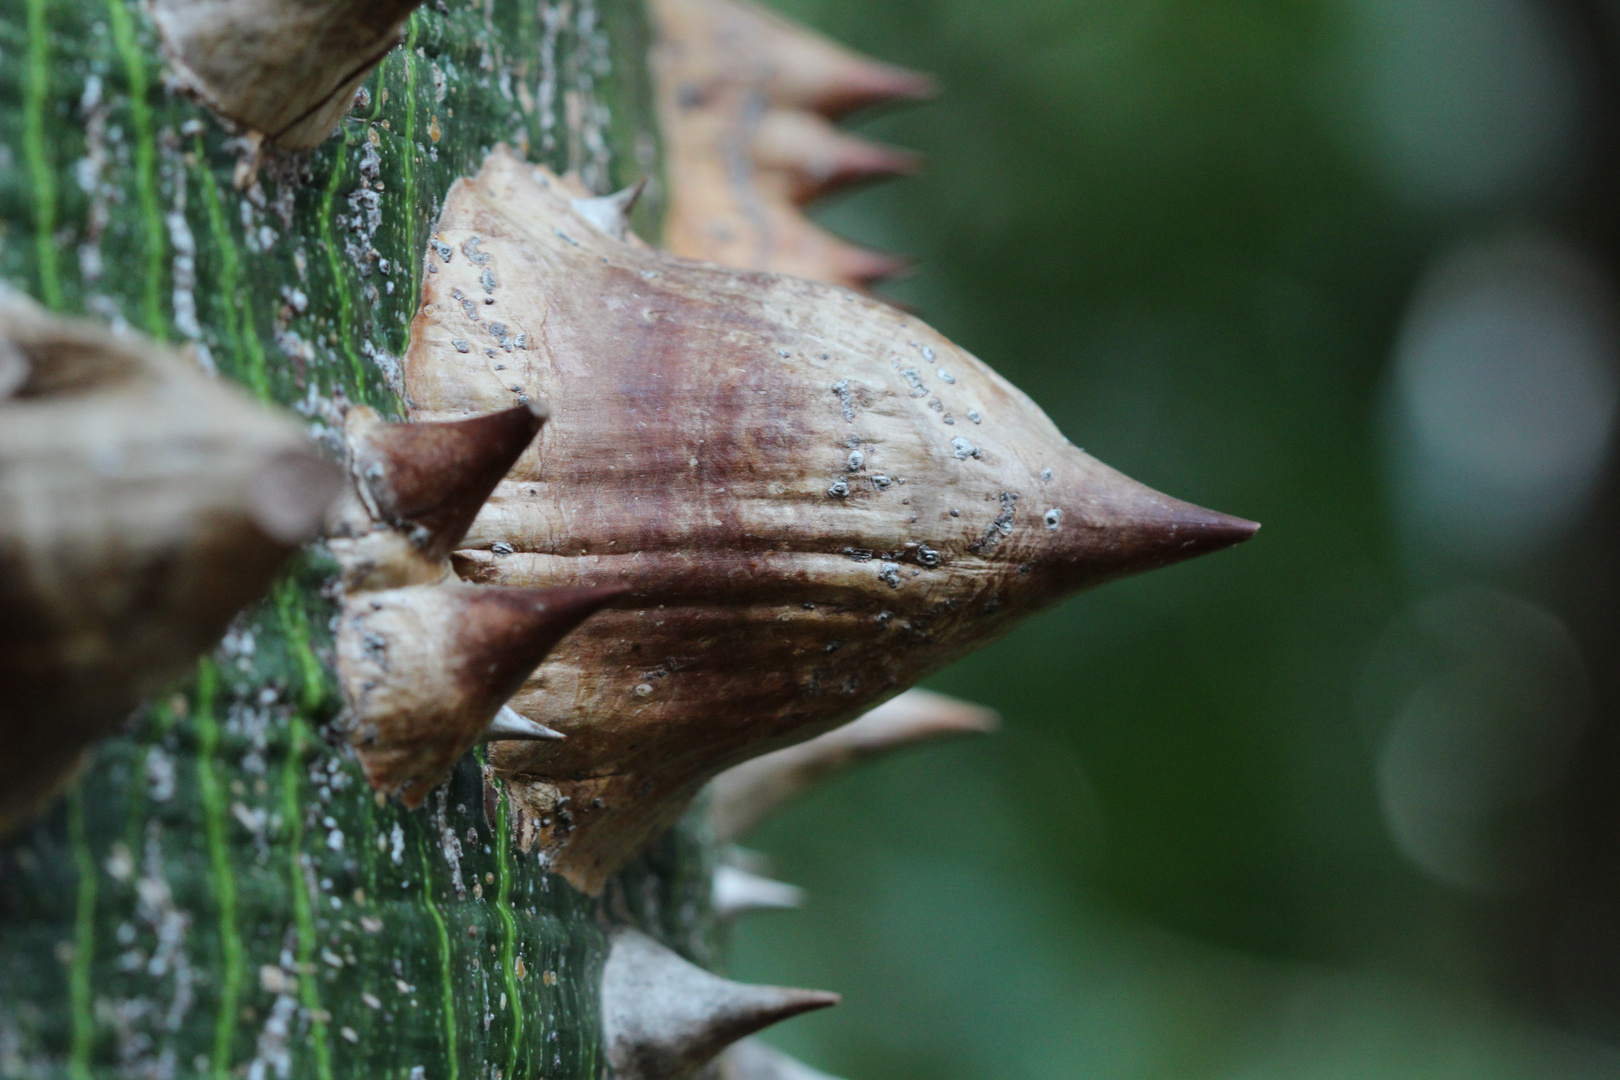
(427, 662)
(747, 101)
(815, 498)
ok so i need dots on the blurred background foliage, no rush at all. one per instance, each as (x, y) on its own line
(1341, 802)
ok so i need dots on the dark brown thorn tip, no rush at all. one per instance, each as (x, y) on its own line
(1151, 535)
(502, 634)
(852, 163)
(433, 477)
(870, 83)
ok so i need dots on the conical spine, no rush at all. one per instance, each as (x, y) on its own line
(286, 69)
(611, 213)
(142, 504)
(664, 1018)
(736, 892)
(747, 99)
(818, 159)
(428, 668)
(430, 479)
(511, 724)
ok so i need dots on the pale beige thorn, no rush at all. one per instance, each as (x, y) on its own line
(664, 1018)
(289, 69)
(611, 213)
(810, 71)
(142, 505)
(754, 1059)
(819, 159)
(746, 794)
(737, 892)
(511, 724)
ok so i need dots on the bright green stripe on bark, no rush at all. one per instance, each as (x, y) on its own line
(224, 879)
(238, 308)
(227, 256)
(447, 979)
(84, 940)
(140, 115)
(38, 93)
(292, 812)
(407, 164)
(295, 624)
(509, 931)
(329, 241)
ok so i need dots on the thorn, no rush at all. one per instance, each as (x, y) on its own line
(869, 83)
(511, 724)
(611, 213)
(437, 475)
(820, 159)
(291, 493)
(664, 1018)
(809, 71)
(746, 794)
(802, 248)
(142, 505)
(286, 68)
(753, 1059)
(1123, 527)
(737, 892)
(427, 668)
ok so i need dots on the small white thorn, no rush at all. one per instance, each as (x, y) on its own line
(511, 724)
(737, 892)
(611, 213)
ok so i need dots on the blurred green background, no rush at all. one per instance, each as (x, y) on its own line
(1340, 802)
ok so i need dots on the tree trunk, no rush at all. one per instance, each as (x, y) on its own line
(218, 895)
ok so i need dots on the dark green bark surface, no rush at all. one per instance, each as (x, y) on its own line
(221, 895)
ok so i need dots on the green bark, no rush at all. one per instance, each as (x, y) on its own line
(221, 895)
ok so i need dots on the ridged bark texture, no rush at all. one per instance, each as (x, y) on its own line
(221, 895)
